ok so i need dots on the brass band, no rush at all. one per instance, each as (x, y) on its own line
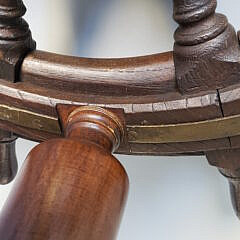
(164, 133)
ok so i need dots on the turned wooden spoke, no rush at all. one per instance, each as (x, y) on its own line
(15, 43)
(8, 160)
(184, 102)
(71, 188)
(144, 87)
(16, 40)
(206, 50)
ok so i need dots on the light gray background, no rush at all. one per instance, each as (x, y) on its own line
(170, 198)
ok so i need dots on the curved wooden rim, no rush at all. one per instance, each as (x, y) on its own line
(149, 98)
(111, 79)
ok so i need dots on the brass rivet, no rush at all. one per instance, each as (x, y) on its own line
(132, 136)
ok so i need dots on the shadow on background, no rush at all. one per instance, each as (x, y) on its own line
(166, 194)
(87, 16)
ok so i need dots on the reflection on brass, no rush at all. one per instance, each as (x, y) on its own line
(186, 132)
(28, 119)
(171, 133)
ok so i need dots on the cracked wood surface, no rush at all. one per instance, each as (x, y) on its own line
(177, 109)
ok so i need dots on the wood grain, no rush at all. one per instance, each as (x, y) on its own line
(178, 109)
(70, 188)
(147, 75)
(15, 42)
(15, 39)
(206, 50)
(230, 106)
(144, 87)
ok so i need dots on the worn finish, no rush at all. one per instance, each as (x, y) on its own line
(42, 103)
(206, 50)
(176, 103)
(230, 100)
(29, 119)
(15, 42)
(164, 133)
(186, 132)
(70, 188)
(228, 163)
(147, 75)
(146, 86)
(15, 39)
(8, 160)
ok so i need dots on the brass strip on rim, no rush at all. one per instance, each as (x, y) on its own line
(186, 132)
(154, 134)
(28, 119)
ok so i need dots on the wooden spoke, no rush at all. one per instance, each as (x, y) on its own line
(228, 163)
(71, 188)
(184, 102)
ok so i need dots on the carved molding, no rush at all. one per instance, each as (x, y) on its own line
(206, 50)
(15, 38)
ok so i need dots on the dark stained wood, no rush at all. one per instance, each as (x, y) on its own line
(192, 109)
(70, 188)
(230, 102)
(15, 39)
(8, 160)
(177, 109)
(228, 163)
(146, 86)
(27, 133)
(169, 149)
(15, 42)
(206, 50)
(148, 75)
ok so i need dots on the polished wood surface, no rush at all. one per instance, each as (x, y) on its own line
(178, 109)
(70, 188)
(15, 42)
(136, 76)
(146, 88)
(15, 39)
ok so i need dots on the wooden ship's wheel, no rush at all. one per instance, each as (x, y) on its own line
(185, 102)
